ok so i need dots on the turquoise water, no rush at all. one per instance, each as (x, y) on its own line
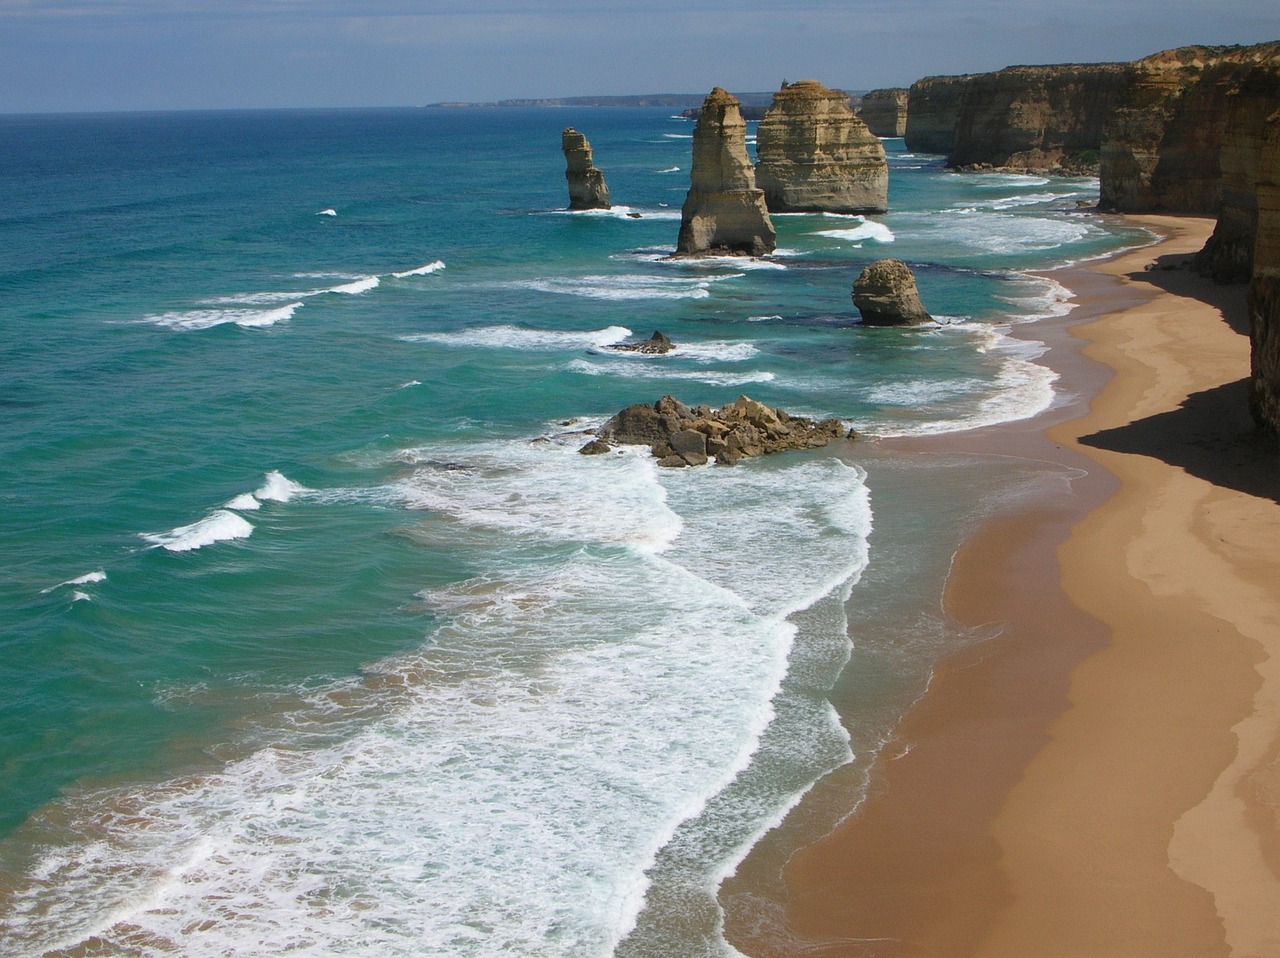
(317, 632)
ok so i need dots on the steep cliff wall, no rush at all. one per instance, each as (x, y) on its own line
(816, 156)
(1228, 256)
(723, 211)
(885, 111)
(587, 189)
(1163, 147)
(1037, 117)
(1264, 290)
(933, 111)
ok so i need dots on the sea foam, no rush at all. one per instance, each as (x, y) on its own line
(219, 526)
(426, 270)
(516, 337)
(196, 319)
(865, 230)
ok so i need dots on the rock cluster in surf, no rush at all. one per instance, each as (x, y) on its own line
(656, 345)
(587, 188)
(678, 435)
(816, 156)
(885, 294)
(724, 211)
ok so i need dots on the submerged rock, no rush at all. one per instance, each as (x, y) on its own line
(587, 188)
(816, 156)
(885, 294)
(724, 211)
(679, 436)
(655, 345)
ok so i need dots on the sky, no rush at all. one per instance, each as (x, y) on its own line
(95, 55)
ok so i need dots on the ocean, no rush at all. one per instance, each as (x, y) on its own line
(320, 637)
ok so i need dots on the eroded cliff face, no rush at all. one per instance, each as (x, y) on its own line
(1163, 147)
(1043, 118)
(724, 211)
(1249, 103)
(933, 112)
(816, 156)
(1264, 290)
(587, 188)
(885, 111)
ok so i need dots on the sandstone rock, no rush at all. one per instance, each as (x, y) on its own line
(724, 212)
(655, 345)
(679, 436)
(587, 189)
(933, 111)
(885, 111)
(1162, 150)
(885, 294)
(816, 156)
(1264, 289)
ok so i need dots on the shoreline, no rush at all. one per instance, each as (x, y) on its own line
(1103, 776)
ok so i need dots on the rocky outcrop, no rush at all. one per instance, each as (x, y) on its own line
(587, 188)
(1163, 147)
(885, 294)
(724, 211)
(1264, 290)
(933, 112)
(656, 345)
(1228, 256)
(816, 156)
(1037, 118)
(885, 111)
(680, 436)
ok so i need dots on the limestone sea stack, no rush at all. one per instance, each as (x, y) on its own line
(587, 188)
(724, 211)
(816, 156)
(886, 295)
(885, 111)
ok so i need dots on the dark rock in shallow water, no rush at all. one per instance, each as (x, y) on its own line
(656, 345)
(679, 436)
(596, 447)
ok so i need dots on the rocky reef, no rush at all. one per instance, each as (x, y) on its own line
(724, 211)
(656, 345)
(816, 156)
(885, 111)
(587, 188)
(680, 436)
(885, 294)
(1264, 289)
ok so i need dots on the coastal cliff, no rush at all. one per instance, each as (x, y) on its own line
(724, 211)
(885, 111)
(1163, 147)
(1042, 118)
(816, 156)
(587, 188)
(933, 111)
(1264, 290)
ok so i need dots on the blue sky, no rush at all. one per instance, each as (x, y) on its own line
(60, 55)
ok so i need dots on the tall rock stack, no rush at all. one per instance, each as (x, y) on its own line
(816, 156)
(587, 188)
(1264, 290)
(724, 211)
(885, 111)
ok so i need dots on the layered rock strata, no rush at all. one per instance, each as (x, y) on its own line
(885, 294)
(1264, 290)
(680, 436)
(933, 112)
(885, 111)
(587, 188)
(724, 211)
(1163, 147)
(816, 156)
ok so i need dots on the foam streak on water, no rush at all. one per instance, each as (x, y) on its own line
(504, 788)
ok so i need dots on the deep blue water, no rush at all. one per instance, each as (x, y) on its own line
(317, 632)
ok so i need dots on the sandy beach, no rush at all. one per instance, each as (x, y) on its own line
(1102, 778)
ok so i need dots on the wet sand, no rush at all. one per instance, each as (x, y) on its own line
(1103, 777)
